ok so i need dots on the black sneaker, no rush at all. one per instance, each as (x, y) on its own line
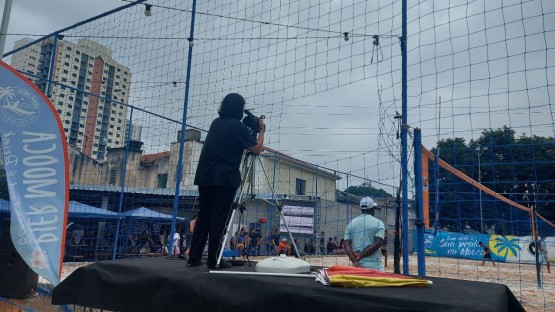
(192, 263)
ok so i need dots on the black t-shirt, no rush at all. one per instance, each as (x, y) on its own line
(254, 238)
(222, 152)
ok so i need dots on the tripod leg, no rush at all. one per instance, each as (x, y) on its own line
(236, 203)
(228, 226)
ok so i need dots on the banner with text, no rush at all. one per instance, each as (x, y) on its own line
(299, 219)
(504, 248)
(35, 160)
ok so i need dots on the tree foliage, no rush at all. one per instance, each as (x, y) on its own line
(367, 190)
(520, 168)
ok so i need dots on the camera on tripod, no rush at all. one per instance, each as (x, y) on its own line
(252, 123)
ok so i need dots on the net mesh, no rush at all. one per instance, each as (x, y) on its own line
(327, 77)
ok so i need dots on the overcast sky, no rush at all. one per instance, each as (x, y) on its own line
(44, 17)
(330, 101)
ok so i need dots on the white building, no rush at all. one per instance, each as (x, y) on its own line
(135, 130)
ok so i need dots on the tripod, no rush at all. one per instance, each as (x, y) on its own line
(243, 252)
(247, 177)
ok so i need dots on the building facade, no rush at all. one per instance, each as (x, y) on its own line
(26, 60)
(88, 89)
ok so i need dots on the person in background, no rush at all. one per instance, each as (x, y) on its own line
(269, 244)
(254, 242)
(241, 241)
(330, 247)
(364, 236)
(487, 254)
(542, 253)
(335, 244)
(275, 241)
(218, 175)
(191, 231)
(77, 235)
(341, 250)
(283, 247)
(323, 243)
(175, 243)
(162, 240)
(192, 224)
(311, 247)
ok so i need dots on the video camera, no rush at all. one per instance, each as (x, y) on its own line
(252, 123)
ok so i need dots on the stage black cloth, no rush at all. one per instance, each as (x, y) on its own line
(160, 284)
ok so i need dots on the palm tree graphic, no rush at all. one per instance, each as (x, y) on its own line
(8, 95)
(506, 246)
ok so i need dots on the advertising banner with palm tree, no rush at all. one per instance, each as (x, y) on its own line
(503, 248)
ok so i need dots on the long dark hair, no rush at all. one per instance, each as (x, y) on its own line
(232, 106)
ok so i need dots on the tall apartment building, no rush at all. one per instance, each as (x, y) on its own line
(26, 60)
(88, 91)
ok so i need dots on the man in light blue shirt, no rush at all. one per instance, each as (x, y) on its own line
(364, 236)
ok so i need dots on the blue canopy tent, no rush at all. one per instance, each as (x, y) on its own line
(76, 210)
(89, 232)
(145, 213)
(80, 210)
(142, 223)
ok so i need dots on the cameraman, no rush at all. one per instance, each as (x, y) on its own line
(218, 175)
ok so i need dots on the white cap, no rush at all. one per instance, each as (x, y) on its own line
(367, 203)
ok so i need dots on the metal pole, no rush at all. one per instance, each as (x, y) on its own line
(179, 171)
(52, 66)
(479, 150)
(536, 235)
(419, 222)
(535, 238)
(122, 190)
(404, 135)
(480, 181)
(4, 27)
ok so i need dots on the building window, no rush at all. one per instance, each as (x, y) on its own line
(162, 180)
(300, 187)
(113, 174)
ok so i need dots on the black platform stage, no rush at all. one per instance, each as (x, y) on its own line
(160, 284)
